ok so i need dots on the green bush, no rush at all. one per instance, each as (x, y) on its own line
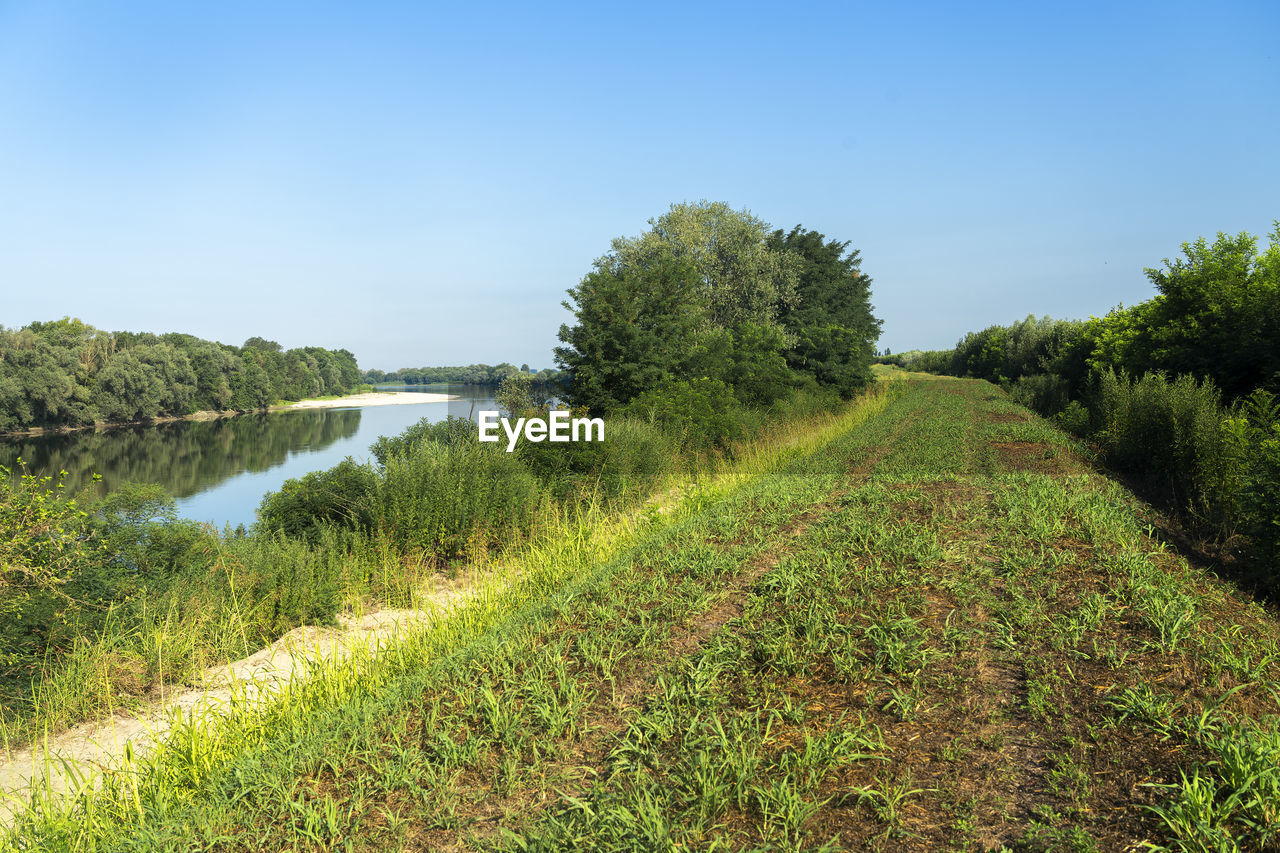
(446, 497)
(342, 495)
(703, 412)
(449, 431)
(285, 582)
(1074, 418)
(1256, 429)
(1045, 393)
(629, 462)
(142, 535)
(1173, 432)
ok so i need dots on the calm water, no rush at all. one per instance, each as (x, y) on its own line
(219, 470)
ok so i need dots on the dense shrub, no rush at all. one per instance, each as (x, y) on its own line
(1172, 431)
(634, 456)
(703, 413)
(449, 431)
(1044, 393)
(446, 498)
(143, 537)
(289, 581)
(1256, 431)
(1074, 418)
(342, 495)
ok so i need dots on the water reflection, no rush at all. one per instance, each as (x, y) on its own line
(185, 457)
(219, 470)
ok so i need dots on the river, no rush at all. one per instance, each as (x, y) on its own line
(219, 470)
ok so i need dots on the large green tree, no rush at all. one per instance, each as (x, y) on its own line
(830, 323)
(743, 278)
(710, 293)
(637, 327)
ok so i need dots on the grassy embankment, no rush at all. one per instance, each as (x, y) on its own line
(938, 629)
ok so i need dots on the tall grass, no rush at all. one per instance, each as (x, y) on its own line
(1172, 431)
(1218, 464)
(244, 594)
(450, 499)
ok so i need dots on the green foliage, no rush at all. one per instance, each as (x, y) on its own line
(515, 394)
(448, 498)
(741, 277)
(473, 374)
(342, 496)
(45, 541)
(638, 326)
(830, 321)
(67, 373)
(1216, 315)
(705, 321)
(1074, 418)
(1046, 393)
(923, 361)
(631, 460)
(1170, 430)
(447, 432)
(143, 537)
(750, 359)
(1214, 324)
(1256, 430)
(288, 581)
(703, 412)
(1007, 353)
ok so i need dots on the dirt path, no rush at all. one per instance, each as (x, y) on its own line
(90, 748)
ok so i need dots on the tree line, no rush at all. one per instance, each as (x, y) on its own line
(473, 374)
(67, 373)
(1181, 391)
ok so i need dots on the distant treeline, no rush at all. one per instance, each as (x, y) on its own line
(1181, 391)
(474, 374)
(67, 373)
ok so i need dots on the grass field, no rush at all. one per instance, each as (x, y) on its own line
(925, 626)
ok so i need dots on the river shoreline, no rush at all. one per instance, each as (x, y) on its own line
(375, 398)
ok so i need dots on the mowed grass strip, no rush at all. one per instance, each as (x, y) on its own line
(979, 648)
(938, 631)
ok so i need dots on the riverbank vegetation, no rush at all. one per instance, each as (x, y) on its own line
(793, 601)
(66, 373)
(1180, 393)
(924, 622)
(138, 598)
(110, 599)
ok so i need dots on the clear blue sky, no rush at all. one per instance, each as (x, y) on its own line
(420, 183)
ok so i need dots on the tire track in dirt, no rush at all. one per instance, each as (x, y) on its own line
(606, 719)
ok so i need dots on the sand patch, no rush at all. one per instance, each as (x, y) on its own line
(380, 398)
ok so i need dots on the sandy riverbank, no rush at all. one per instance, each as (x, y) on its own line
(380, 398)
(377, 398)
